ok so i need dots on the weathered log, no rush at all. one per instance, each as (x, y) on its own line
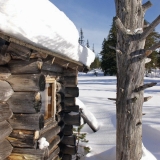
(6, 91)
(69, 81)
(27, 121)
(67, 157)
(48, 126)
(53, 144)
(70, 72)
(95, 128)
(145, 86)
(69, 140)
(36, 54)
(25, 102)
(59, 97)
(48, 65)
(4, 56)
(72, 119)
(5, 111)
(49, 121)
(24, 138)
(51, 74)
(18, 51)
(50, 134)
(69, 101)
(27, 67)
(67, 130)
(67, 149)
(30, 154)
(59, 87)
(5, 130)
(59, 108)
(71, 91)
(5, 149)
(74, 108)
(27, 82)
(4, 73)
(54, 154)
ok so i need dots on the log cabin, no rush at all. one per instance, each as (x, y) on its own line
(37, 93)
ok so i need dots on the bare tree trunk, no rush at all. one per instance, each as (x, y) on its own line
(130, 75)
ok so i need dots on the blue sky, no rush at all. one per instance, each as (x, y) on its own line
(95, 17)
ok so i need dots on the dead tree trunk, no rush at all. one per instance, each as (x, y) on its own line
(131, 56)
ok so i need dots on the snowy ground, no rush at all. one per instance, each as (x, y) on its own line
(94, 93)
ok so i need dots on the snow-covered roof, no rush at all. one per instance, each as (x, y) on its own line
(42, 24)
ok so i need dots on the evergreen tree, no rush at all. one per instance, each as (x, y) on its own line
(87, 44)
(108, 63)
(81, 38)
(96, 63)
(153, 38)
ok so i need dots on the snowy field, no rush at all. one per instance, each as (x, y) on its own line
(94, 93)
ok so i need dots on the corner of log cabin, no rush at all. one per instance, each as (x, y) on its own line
(24, 69)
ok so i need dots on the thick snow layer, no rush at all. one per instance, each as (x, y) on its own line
(91, 118)
(147, 155)
(94, 92)
(41, 23)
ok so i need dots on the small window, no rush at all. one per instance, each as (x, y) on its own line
(49, 98)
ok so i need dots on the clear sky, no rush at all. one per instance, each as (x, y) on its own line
(95, 17)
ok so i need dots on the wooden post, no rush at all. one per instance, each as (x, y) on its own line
(25, 102)
(27, 121)
(27, 82)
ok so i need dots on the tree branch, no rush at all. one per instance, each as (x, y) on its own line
(112, 99)
(151, 49)
(147, 98)
(146, 5)
(120, 25)
(145, 86)
(150, 28)
(117, 50)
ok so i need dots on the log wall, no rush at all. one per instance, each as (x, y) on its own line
(23, 73)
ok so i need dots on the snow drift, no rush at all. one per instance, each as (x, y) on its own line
(41, 23)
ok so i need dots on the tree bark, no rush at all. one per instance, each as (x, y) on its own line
(130, 75)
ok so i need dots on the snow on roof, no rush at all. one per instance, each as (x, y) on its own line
(41, 23)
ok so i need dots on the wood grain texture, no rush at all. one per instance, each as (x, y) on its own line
(5, 111)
